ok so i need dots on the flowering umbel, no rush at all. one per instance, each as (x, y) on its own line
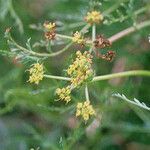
(78, 38)
(49, 26)
(64, 94)
(94, 17)
(81, 69)
(36, 73)
(85, 110)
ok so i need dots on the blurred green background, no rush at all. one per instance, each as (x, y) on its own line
(29, 115)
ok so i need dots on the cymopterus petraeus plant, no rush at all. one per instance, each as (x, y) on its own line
(81, 72)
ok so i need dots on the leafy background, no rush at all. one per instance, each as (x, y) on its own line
(30, 116)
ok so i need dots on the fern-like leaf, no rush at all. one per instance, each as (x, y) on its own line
(134, 101)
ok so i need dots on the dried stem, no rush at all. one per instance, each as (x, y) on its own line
(128, 31)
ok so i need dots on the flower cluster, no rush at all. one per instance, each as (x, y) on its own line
(94, 17)
(64, 94)
(85, 110)
(49, 30)
(78, 38)
(36, 73)
(49, 26)
(81, 69)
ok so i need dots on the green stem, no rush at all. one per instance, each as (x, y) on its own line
(83, 30)
(93, 32)
(64, 36)
(87, 93)
(56, 77)
(49, 49)
(122, 74)
(93, 37)
(41, 54)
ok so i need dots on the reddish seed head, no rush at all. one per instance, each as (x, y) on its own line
(50, 35)
(109, 55)
(101, 42)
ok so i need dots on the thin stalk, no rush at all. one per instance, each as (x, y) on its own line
(64, 36)
(87, 93)
(41, 54)
(49, 49)
(93, 32)
(85, 28)
(71, 26)
(93, 36)
(56, 77)
(122, 74)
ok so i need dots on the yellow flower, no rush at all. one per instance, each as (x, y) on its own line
(77, 38)
(94, 17)
(81, 69)
(49, 26)
(36, 73)
(85, 110)
(64, 94)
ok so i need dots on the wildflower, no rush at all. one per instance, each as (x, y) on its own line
(85, 110)
(36, 73)
(64, 93)
(49, 26)
(81, 69)
(94, 17)
(77, 38)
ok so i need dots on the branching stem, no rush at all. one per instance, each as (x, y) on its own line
(107, 77)
(122, 74)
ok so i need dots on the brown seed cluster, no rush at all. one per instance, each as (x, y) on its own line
(109, 55)
(50, 32)
(101, 42)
